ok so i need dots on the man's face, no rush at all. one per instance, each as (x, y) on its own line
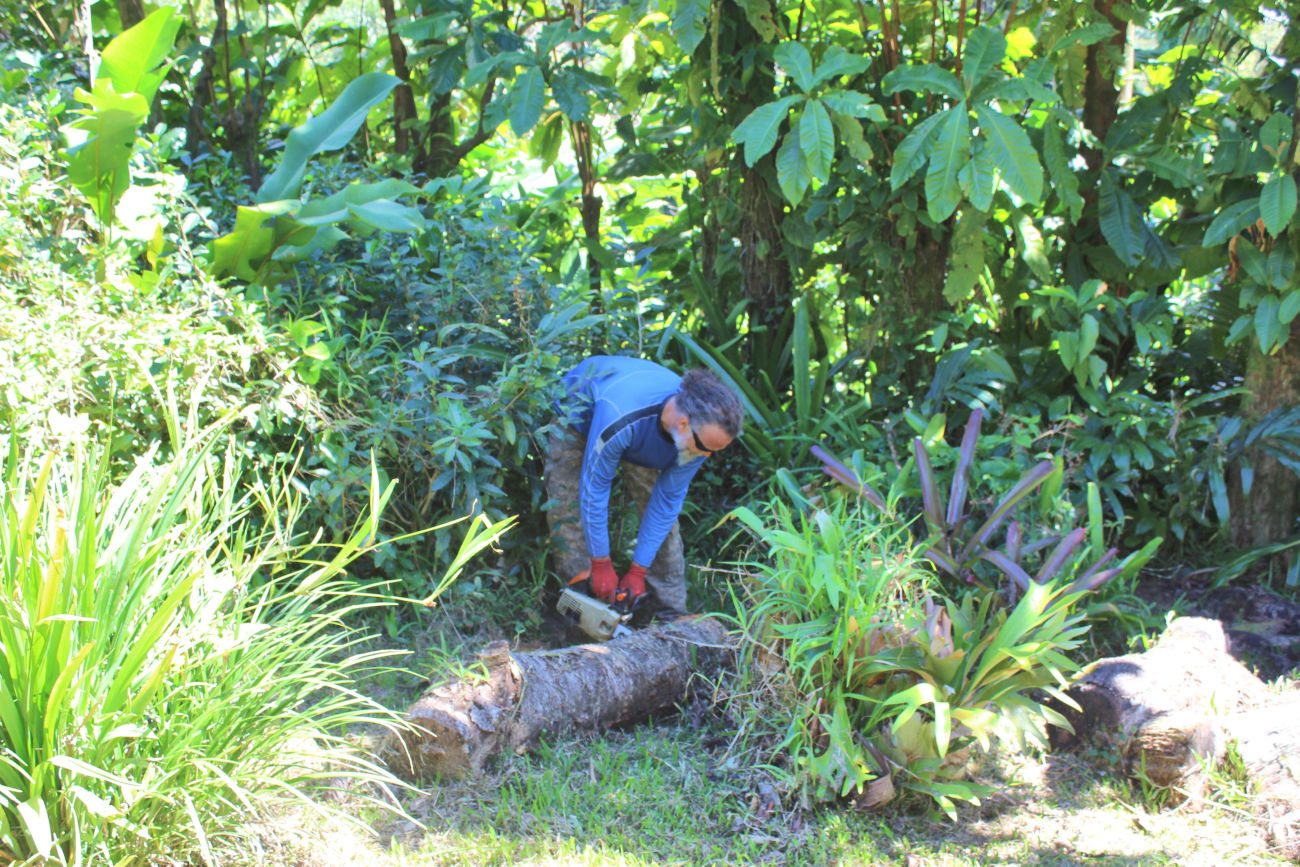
(693, 442)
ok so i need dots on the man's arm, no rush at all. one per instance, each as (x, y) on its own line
(599, 464)
(662, 509)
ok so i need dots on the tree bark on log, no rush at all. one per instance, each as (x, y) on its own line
(1172, 712)
(457, 726)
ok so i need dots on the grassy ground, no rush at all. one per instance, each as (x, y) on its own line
(689, 789)
(661, 794)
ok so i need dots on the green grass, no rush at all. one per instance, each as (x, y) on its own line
(696, 788)
(677, 792)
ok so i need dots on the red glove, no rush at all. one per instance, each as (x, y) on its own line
(633, 582)
(604, 580)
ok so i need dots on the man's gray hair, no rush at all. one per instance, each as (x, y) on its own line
(705, 399)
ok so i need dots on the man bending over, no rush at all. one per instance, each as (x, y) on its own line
(659, 428)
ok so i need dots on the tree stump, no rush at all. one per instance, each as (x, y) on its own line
(457, 726)
(1172, 712)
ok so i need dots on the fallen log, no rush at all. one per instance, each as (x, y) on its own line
(1172, 713)
(454, 728)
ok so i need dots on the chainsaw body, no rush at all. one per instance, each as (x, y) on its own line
(598, 619)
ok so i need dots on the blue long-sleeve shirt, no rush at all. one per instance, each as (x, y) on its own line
(616, 402)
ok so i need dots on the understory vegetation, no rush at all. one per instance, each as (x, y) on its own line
(286, 290)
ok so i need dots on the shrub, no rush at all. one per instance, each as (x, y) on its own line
(173, 657)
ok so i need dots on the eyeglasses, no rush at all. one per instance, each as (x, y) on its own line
(699, 446)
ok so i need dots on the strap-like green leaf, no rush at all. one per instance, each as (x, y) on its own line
(1277, 203)
(1012, 153)
(948, 155)
(328, 131)
(1121, 221)
(795, 59)
(914, 150)
(927, 78)
(817, 140)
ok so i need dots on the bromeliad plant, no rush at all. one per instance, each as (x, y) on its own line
(960, 542)
(893, 686)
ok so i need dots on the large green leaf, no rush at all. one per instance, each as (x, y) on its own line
(132, 60)
(688, 24)
(1065, 183)
(851, 135)
(1275, 135)
(795, 59)
(985, 49)
(792, 170)
(979, 177)
(99, 163)
(328, 131)
(1083, 36)
(387, 215)
(1231, 220)
(967, 262)
(527, 99)
(851, 102)
(571, 95)
(1268, 324)
(250, 242)
(913, 150)
(839, 62)
(817, 140)
(1277, 204)
(922, 79)
(1121, 221)
(1012, 153)
(758, 131)
(335, 208)
(948, 154)
(759, 15)
(1031, 247)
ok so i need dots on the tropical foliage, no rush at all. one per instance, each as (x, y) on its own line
(360, 244)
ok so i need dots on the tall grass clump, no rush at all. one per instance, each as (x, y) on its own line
(174, 659)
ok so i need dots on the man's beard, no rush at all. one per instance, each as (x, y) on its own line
(684, 455)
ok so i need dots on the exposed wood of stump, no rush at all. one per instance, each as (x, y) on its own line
(456, 727)
(1172, 711)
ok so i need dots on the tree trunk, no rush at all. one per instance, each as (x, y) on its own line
(456, 727)
(131, 12)
(404, 113)
(1173, 711)
(1268, 513)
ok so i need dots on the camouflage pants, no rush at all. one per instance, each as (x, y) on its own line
(666, 576)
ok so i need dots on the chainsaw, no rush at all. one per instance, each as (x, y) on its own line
(601, 620)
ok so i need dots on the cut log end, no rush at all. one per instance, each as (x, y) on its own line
(1172, 712)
